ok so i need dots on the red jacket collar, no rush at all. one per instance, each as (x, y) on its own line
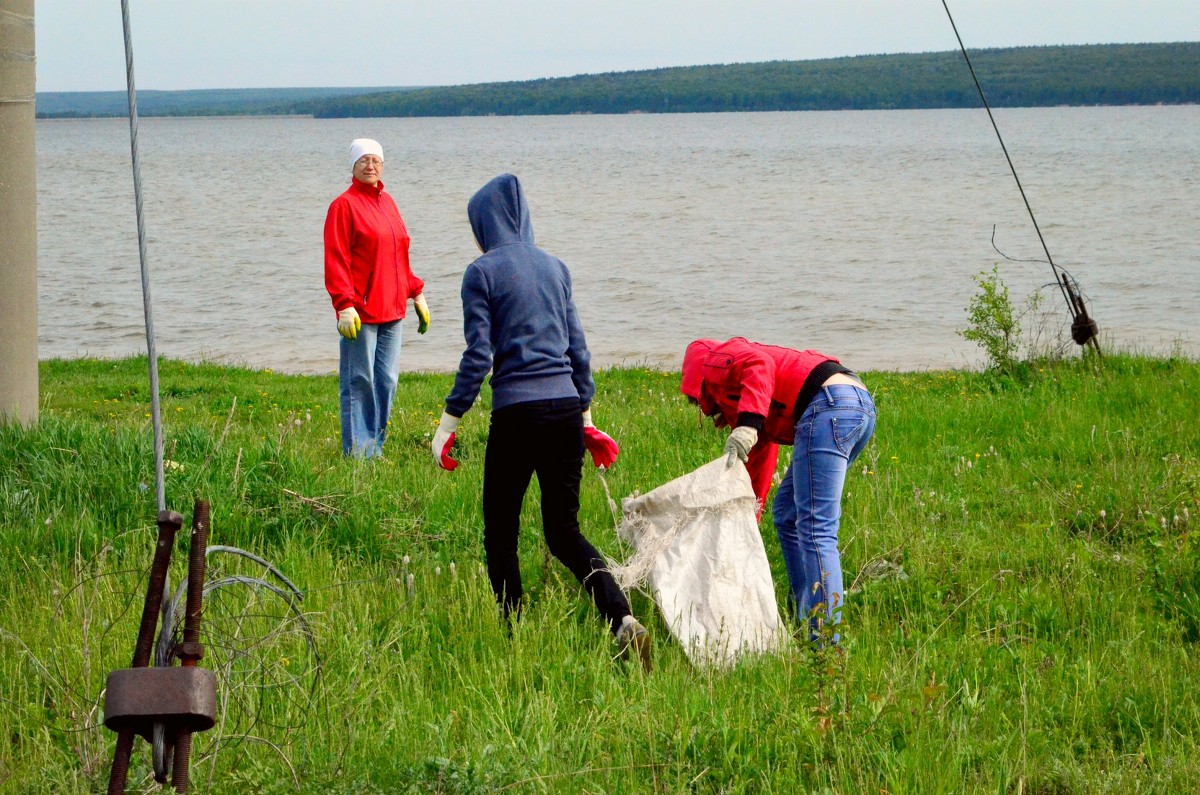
(370, 190)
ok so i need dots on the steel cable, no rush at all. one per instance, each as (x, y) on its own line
(160, 490)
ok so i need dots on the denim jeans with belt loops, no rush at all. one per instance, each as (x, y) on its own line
(831, 432)
(368, 370)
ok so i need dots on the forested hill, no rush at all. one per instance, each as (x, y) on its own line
(1109, 74)
(200, 102)
(1100, 74)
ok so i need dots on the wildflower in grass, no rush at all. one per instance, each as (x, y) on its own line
(411, 585)
(453, 571)
(406, 560)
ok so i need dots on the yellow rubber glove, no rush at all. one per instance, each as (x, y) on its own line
(422, 313)
(348, 323)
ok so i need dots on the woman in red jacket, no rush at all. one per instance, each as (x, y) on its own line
(370, 281)
(771, 396)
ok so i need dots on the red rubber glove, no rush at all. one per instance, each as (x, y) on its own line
(604, 448)
(443, 441)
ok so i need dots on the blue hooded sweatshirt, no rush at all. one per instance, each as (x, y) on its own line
(518, 317)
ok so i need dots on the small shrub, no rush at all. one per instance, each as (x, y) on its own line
(994, 323)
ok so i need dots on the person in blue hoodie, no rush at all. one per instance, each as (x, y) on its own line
(520, 323)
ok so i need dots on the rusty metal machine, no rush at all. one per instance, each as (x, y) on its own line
(173, 701)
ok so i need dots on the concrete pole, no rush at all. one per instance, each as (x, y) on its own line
(18, 215)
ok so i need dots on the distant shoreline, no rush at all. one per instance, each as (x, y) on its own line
(626, 113)
(1104, 75)
(197, 116)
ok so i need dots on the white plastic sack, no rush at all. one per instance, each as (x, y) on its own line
(697, 545)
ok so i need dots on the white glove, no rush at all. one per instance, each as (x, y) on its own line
(741, 439)
(348, 323)
(443, 440)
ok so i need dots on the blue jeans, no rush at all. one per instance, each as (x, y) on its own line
(368, 369)
(832, 431)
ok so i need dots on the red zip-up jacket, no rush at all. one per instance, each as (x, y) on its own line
(366, 255)
(748, 383)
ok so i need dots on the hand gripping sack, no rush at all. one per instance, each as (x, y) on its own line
(697, 545)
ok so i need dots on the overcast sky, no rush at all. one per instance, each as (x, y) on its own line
(283, 43)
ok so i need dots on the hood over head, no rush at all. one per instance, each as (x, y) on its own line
(499, 215)
(693, 363)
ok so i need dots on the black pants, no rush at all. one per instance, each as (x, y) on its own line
(545, 437)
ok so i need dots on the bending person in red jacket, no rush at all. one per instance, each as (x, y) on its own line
(370, 281)
(771, 396)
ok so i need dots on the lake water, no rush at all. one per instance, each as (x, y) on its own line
(856, 232)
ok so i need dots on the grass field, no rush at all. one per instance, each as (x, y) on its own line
(1024, 617)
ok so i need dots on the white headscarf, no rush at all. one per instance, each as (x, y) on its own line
(364, 146)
